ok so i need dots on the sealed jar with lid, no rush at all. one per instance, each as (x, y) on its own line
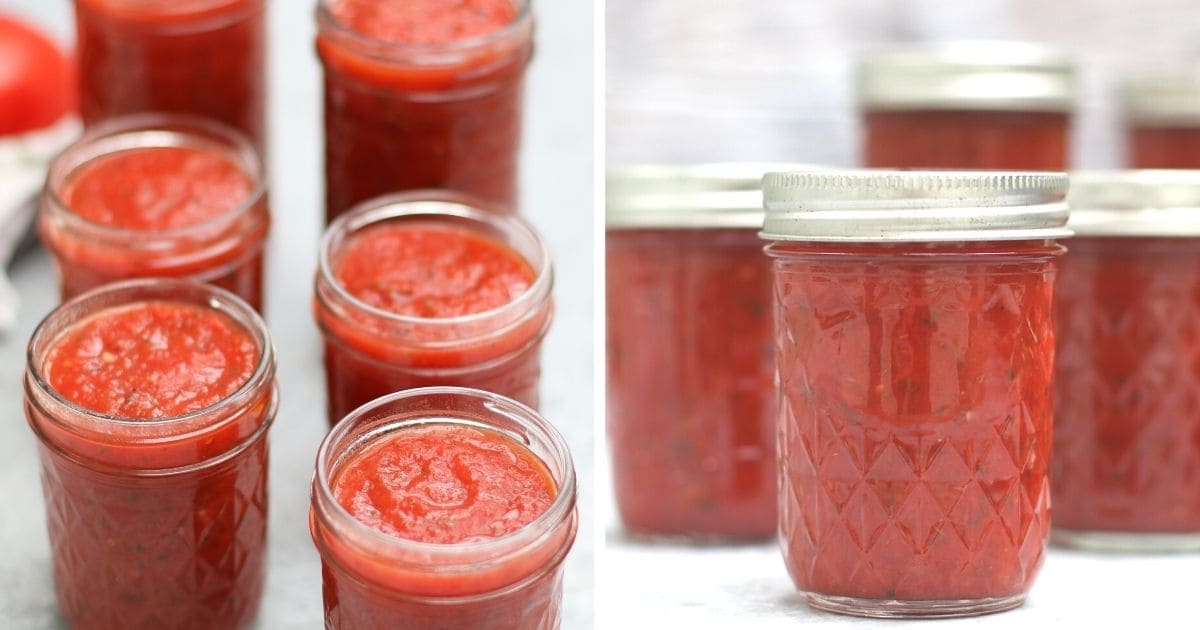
(915, 349)
(984, 105)
(1126, 460)
(690, 375)
(1162, 120)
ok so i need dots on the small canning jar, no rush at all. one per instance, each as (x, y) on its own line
(374, 580)
(966, 105)
(205, 58)
(370, 351)
(915, 351)
(225, 249)
(158, 520)
(416, 108)
(1126, 459)
(1162, 120)
(691, 398)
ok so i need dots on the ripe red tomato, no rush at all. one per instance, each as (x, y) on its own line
(36, 79)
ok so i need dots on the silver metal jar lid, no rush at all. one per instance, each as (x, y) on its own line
(874, 206)
(1162, 98)
(983, 75)
(703, 196)
(1156, 203)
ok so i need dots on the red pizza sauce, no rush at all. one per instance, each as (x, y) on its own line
(152, 408)
(422, 95)
(430, 301)
(444, 484)
(121, 204)
(436, 523)
(966, 139)
(916, 418)
(1164, 146)
(1126, 455)
(201, 57)
(691, 387)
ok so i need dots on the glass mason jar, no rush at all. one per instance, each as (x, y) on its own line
(915, 351)
(691, 407)
(403, 116)
(201, 57)
(155, 522)
(1162, 120)
(966, 105)
(1126, 461)
(226, 250)
(377, 581)
(370, 352)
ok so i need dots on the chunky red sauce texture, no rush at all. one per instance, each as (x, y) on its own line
(966, 139)
(201, 57)
(1164, 147)
(916, 417)
(407, 123)
(159, 188)
(152, 360)
(691, 396)
(178, 550)
(191, 202)
(432, 271)
(444, 484)
(424, 21)
(1127, 455)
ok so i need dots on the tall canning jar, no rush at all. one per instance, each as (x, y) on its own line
(915, 351)
(1126, 459)
(691, 414)
(151, 401)
(966, 105)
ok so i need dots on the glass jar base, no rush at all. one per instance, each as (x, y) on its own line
(922, 609)
(645, 537)
(1131, 542)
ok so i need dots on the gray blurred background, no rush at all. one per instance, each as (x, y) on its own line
(770, 80)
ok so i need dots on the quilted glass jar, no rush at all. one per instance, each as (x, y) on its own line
(915, 347)
(1127, 458)
(691, 407)
(986, 105)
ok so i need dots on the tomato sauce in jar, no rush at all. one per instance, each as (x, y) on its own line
(1126, 461)
(1162, 121)
(205, 58)
(151, 400)
(157, 196)
(915, 349)
(443, 507)
(966, 105)
(691, 409)
(422, 95)
(431, 288)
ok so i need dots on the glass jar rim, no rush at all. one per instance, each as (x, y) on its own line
(563, 469)
(436, 205)
(200, 294)
(881, 205)
(521, 23)
(148, 131)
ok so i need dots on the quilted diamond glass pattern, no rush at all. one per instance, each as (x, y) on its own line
(1127, 444)
(915, 424)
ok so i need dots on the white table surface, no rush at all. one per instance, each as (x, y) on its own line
(645, 585)
(557, 197)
